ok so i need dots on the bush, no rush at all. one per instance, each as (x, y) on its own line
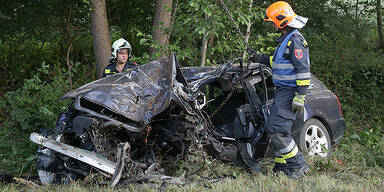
(30, 108)
(34, 105)
(356, 75)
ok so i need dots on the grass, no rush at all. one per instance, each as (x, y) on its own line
(244, 182)
(345, 170)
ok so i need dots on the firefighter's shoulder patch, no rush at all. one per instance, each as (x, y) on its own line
(298, 53)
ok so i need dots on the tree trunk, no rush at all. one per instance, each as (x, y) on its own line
(70, 38)
(207, 38)
(100, 35)
(248, 33)
(204, 50)
(161, 21)
(204, 45)
(380, 24)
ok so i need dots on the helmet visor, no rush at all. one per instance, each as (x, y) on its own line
(298, 22)
(125, 45)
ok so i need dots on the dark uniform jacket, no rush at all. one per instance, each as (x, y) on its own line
(297, 52)
(110, 69)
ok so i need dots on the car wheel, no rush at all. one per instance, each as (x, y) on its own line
(314, 138)
(46, 177)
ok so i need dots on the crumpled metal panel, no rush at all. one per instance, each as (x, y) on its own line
(199, 76)
(196, 73)
(138, 94)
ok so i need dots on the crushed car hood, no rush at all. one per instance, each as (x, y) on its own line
(139, 94)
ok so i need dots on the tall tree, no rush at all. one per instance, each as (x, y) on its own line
(100, 35)
(161, 21)
(379, 24)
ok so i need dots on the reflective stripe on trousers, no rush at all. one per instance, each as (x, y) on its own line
(279, 126)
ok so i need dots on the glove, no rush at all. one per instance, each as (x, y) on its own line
(256, 57)
(298, 103)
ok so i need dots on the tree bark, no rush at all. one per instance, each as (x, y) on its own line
(248, 33)
(100, 35)
(69, 32)
(161, 21)
(379, 24)
(208, 39)
(204, 45)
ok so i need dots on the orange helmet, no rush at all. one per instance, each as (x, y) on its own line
(280, 13)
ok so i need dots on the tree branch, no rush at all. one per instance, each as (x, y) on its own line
(248, 33)
(69, 32)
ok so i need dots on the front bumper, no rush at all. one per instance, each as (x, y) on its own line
(85, 156)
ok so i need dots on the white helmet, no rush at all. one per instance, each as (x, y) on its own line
(120, 44)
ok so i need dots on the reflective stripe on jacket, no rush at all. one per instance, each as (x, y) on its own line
(110, 69)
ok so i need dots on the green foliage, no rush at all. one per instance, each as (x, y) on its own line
(30, 108)
(35, 105)
(354, 74)
(191, 25)
(347, 60)
(41, 31)
(127, 18)
(372, 154)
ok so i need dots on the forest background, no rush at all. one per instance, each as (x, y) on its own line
(49, 47)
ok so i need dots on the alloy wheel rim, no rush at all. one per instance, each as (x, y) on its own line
(316, 141)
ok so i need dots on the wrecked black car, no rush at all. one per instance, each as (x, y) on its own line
(131, 124)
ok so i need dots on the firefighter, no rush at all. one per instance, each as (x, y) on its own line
(291, 77)
(120, 54)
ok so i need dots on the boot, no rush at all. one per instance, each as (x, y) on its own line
(299, 172)
(281, 167)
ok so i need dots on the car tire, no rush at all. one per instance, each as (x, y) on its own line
(314, 139)
(46, 177)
